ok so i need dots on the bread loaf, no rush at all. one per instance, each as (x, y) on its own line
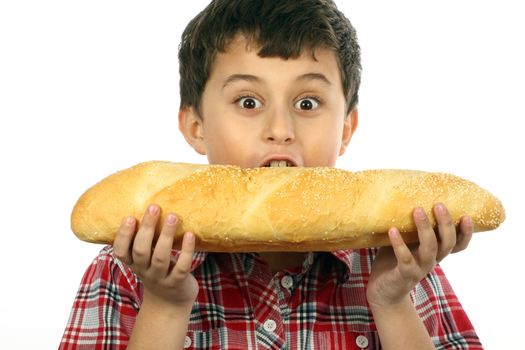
(233, 209)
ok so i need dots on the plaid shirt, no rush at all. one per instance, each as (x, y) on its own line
(241, 305)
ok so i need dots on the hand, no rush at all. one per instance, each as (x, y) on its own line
(165, 282)
(397, 269)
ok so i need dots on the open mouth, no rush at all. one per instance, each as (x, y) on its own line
(279, 164)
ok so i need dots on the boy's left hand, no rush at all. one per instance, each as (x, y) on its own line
(397, 269)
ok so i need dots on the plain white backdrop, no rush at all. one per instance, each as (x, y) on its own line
(91, 87)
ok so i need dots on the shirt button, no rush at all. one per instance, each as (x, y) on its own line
(287, 282)
(270, 325)
(361, 341)
(187, 342)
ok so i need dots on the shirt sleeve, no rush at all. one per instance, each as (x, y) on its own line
(442, 313)
(105, 307)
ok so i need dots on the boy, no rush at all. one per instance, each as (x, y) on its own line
(270, 82)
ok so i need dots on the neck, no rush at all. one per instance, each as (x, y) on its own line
(282, 260)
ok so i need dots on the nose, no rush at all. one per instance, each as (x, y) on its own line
(279, 127)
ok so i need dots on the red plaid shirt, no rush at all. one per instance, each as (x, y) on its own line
(241, 305)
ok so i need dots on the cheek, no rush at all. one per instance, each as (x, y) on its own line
(321, 150)
(322, 144)
(226, 142)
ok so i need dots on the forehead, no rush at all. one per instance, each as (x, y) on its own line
(241, 57)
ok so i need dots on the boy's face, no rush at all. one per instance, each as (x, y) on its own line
(256, 109)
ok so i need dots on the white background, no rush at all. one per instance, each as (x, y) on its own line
(90, 87)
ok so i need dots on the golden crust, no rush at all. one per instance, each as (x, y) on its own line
(279, 209)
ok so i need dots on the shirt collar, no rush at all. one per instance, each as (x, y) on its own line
(357, 261)
(197, 260)
(348, 257)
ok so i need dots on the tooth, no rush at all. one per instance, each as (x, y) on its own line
(279, 163)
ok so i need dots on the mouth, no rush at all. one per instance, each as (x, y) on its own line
(279, 163)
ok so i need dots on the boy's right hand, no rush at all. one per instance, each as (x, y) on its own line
(166, 282)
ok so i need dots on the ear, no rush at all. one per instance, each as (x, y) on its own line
(191, 126)
(350, 124)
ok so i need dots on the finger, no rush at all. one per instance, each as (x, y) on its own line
(428, 244)
(447, 231)
(141, 252)
(183, 265)
(122, 242)
(160, 261)
(405, 258)
(465, 231)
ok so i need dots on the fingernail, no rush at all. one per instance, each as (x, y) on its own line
(420, 213)
(171, 219)
(129, 221)
(393, 233)
(189, 237)
(153, 209)
(441, 209)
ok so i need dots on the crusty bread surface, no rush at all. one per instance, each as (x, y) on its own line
(233, 209)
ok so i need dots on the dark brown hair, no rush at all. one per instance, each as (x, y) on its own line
(280, 28)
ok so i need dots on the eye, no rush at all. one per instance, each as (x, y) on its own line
(248, 102)
(307, 104)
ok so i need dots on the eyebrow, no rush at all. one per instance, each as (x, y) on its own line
(255, 79)
(242, 77)
(314, 76)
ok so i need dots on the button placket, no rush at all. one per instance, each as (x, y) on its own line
(268, 316)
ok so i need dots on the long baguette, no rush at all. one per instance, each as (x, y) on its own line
(231, 209)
